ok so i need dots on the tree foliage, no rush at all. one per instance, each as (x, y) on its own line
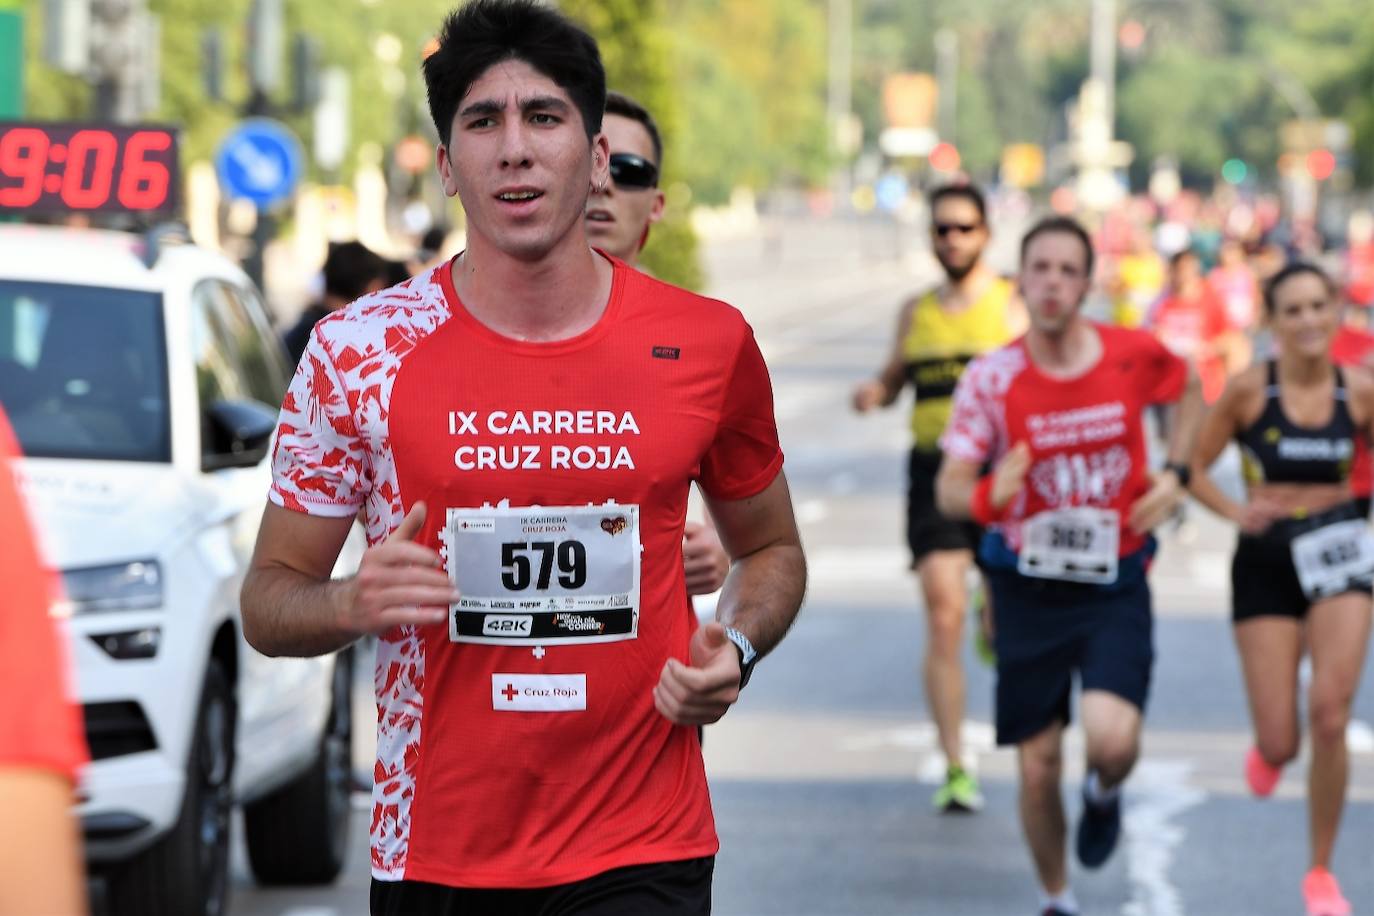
(752, 80)
(636, 49)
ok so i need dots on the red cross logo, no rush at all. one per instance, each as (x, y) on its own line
(510, 693)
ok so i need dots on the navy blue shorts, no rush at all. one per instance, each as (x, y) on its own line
(1048, 631)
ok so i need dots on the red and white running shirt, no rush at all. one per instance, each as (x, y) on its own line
(542, 762)
(1085, 434)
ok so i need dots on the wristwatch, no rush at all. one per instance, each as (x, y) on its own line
(747, 655)
(1182, 471)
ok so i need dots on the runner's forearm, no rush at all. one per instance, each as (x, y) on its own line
(1186, 421)
(893, 380)
(763, 594)
(954, 490)
(1206, 491)
(288, 613)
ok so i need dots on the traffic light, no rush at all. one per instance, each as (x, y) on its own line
(1235, 171)
(945, 157)
(1321, 164)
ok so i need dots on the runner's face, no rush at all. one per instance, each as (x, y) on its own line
(519, 161)
(1053, 280)
(1306, 316)
(618, 218)
(956, 249)
(1186, 272)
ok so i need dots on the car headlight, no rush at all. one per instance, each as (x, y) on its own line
(122, 587)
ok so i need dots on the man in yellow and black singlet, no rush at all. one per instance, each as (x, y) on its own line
(938, 333)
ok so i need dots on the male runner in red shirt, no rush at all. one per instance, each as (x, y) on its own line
(520, 427)
(41, 743)
(1069, 507)
(619, 217)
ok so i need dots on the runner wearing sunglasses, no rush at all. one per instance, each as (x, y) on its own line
(938, 333)
(619, 217)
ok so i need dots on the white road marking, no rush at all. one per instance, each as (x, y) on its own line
(1157, 792)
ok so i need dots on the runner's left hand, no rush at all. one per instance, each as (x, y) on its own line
(1156, 505)
(702, 692)
(704, 559)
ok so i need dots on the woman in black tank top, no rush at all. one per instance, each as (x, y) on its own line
(1303, 570)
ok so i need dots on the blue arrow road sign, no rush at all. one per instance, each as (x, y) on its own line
(260, 161)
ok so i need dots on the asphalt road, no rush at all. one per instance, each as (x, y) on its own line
(822, 775)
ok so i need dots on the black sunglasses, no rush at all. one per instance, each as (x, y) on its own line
(944, 229)
(633, 173)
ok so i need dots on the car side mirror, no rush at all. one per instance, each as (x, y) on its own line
(236, 434)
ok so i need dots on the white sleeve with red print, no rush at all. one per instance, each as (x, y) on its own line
(318, 465)
(977, 428)
(333, 454)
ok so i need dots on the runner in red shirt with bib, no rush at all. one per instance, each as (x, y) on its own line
(1069, 507)
(519, 428)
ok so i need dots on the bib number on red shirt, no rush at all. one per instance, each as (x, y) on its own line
(544, 574)
(1075, 545)
(1334, 557)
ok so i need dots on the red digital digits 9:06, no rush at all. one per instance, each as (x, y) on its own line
(85, 168)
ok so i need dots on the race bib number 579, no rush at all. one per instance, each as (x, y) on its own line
(543, 574)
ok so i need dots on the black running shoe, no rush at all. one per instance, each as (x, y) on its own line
(1055, 911)
(1098, 830)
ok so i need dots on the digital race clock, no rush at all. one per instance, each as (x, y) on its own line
(87, 168)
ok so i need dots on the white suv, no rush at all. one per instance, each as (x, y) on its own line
(143, 387)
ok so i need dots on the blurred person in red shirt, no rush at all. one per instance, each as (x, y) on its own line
(1191, 320)
(1233, 280)
(1353, 345)
(41, 742)
(1359, 259)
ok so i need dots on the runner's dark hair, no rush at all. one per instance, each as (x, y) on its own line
(966, 192)
(1287, 272)
(484, 33)
(1064, 225)
(620, 104)
(350, 268)
(1182, 255)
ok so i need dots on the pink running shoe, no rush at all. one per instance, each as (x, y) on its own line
(1323, 895)
(1261, 776)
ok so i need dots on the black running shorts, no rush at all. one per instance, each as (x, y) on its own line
(926, 529)
(660, 889)
(1264, 582)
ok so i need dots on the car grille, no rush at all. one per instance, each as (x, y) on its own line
(116, 729)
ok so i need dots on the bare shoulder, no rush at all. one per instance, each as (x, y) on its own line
(1244, 395)
(910, 304)
(1249, 381)
(1359, 381)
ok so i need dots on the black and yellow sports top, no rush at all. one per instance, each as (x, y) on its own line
(1274, 449)
(939, 344)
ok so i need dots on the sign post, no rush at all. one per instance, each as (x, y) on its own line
(260, 161)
